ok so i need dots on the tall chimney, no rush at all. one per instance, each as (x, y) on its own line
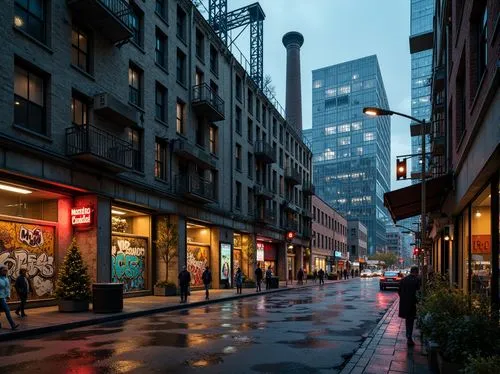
(292, 41)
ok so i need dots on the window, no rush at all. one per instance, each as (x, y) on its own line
(181, 67)
(238, 157)
(281, 158)
(239, 89)
(213, 139)
(250, 131)
(29, 100)
(250, 102)
(200, 45)
(160, 159)
(161, 48)
(134, 84)
(29, 16)
(181, 23)
(275, 127)
(161, 102)
(79, 111)
(200, 132)
(250, 165)
(257, 109)
(180, 117)
(250, 200)
(369, 136)
(136, 24)
(461, 109)
(135, 138)
(161, 8)
(214, 60)
(80, 49)
(281, 134)
(238, 195)
(282, 185)
(238, 120)
(482, 43)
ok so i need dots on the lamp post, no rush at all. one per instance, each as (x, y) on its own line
(374, 111)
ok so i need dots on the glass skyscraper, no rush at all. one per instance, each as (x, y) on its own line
(351, 152)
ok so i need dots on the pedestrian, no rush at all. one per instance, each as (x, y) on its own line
(184, 281)
(356, 273)
(352, 273)
(300, 277)
(315, 275)
(206, 277)
(23, 288)
(238, 279)
(258, 278)
(408, 301)
(345, 274)
(5, 295)
(321, 276)
(269, 275)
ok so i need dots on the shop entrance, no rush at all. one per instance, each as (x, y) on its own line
(198, 251)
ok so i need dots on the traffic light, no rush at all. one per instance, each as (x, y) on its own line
(400, 169)
(415, 251)
(289, 236)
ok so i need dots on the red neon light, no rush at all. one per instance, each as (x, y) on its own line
(81, 216)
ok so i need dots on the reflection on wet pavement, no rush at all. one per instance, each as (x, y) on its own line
(311, 330)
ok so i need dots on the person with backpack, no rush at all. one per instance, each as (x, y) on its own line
(258, 278)
(238, 279)
(206, 277)
(269, 275)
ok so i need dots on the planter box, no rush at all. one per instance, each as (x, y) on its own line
(165, 291)
(73, 306)
(432, 350)
(446, 367)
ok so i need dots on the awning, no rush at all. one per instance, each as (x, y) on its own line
(406, 202)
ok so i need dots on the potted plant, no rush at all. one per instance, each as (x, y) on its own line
(482, 365)
(73, 282)
(164, 288)
(166, 245)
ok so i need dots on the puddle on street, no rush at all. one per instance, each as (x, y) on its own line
(285, 367)
(310, 343)
(83, 334)
(168, 339)
(206, 360)
(14, 349)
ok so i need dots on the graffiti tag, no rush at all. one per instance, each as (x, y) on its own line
(32, 238)
(128, 263)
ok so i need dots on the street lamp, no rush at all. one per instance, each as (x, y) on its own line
(374, 111)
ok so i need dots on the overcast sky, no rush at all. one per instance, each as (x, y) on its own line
(336, 31)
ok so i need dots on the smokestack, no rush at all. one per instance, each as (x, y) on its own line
(292, 41)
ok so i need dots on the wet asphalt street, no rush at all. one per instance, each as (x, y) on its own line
(310, 330)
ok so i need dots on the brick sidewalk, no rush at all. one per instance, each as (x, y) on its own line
(385, 350)
(48, 319)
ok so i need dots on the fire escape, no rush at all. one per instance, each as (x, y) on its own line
(223, 21)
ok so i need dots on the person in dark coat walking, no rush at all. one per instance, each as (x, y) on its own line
(321, 276)
(238, 279)
(258, 278)
(352, 273)
(300, 276)
(315, 275)
(345, 274)
(408, 301)
(206, 277)
(184, 280)
(23, 288)
(269, 276)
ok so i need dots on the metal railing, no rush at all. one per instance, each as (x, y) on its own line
(292, 173)
(262, 148)
(121, 9)
(88, 139)
(264, 214)
(203, 92)
(193, 184)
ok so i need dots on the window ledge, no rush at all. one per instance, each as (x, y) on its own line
(161, 122)
(181, 135)
(201, 59)
(34, 40)
(162, 181)
(215, 73)
(81, 71)
(214, 155)
(33, 133)
(478, 90)
(183, 40)
(183, 85)
(162, 18)
(138, 46)
(461, 140)
(137, 172)
(140, 109)
(162, 68)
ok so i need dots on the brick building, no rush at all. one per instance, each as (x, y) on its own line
(116, 114)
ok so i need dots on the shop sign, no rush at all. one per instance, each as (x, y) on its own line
(225, 263)
(260, 251)
(481, 244)
(355, 263)
(81, 216)
(338, 254)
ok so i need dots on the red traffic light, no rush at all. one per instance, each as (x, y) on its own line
(401, 169)
(415, 251)
(290, 235)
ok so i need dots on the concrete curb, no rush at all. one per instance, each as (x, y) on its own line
(30, 332)
(356, 357)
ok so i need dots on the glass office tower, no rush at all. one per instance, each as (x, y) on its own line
(351, 151)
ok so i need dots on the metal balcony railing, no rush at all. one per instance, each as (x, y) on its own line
(91, 143)
(195, 187)
(265, 215)
(308, 188)
(293, 175)
(264, 151)
(207, 102)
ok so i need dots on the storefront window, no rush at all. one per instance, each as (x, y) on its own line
(130, 243)
(25, 202)
(481, 243)
(319, 263)
(198, 251)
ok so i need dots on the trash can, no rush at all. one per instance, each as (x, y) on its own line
(107, 297)
(275, 282)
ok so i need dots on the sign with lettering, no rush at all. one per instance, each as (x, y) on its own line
(81, 216)
(338, 254)
(260, 251)
(481, 243)
(128, 259)
(30, 247)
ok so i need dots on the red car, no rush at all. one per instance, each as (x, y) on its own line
(390, 279)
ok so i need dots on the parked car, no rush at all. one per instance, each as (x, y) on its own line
(377, 273)
(366, 273)
(390, 279)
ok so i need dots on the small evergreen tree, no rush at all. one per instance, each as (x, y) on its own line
(73, 282)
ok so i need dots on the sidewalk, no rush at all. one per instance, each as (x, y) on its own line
(385, 350)
(48, 319)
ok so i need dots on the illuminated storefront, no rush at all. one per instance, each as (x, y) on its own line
(269, 251)
(198, 251)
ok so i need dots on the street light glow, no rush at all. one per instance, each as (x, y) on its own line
(401, 169)
(370, 112)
